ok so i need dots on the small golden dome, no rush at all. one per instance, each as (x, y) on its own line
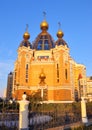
(60, 34)
(26, 36)
(44, 25)
(42, 75)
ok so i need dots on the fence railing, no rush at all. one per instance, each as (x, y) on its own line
(45, 117)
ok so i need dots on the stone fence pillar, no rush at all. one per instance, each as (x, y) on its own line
(83, 110)
(23, 113)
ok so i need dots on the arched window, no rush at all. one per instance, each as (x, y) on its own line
(26, 73)
(39, 47)
(57, 73)
(65, 73)
(15, 75)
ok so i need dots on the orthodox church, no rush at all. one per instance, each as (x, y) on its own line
(46, 65)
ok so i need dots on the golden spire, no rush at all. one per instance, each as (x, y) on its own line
(26, 35)
(59, 33)
(44, 25)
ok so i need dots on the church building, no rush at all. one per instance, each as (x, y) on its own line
(46, 65)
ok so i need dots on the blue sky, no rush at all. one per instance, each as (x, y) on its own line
(76, 23)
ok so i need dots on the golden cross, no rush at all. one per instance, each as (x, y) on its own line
(44, 14)
(26, 27)
(59, 24)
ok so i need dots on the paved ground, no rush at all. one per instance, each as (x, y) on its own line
(70, 126)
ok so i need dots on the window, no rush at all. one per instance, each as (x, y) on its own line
(39, 47)
(65, 73)
(27, 67)
(46, 45)
(26, 76)
(57, 73)
(15, 73)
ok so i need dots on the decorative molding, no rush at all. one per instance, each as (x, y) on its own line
(48, 87)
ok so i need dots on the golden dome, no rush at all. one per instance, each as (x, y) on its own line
(42, 75)
(26, 36)
(44, 25)
(60, 34)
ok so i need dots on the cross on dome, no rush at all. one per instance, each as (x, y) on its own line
(59, 33)
(26, 35)
(44, 15)
(26, 27)
(44, 25)
(59, 24)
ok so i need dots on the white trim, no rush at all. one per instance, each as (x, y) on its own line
(51, 101)
(43, 61)
(49, 87)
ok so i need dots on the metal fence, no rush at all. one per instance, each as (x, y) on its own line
(45, 116)
(9, 121)
(56, 115)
